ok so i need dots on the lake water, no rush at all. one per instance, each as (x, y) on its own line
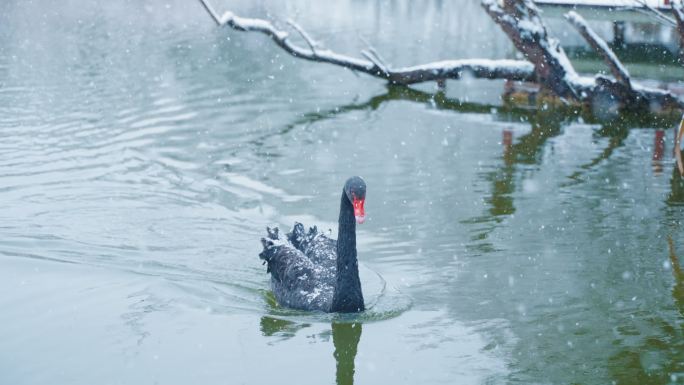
(143, 151)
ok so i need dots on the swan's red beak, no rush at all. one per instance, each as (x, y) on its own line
(359, 212)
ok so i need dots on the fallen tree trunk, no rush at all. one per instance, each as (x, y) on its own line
(521, 22)
(548, 65)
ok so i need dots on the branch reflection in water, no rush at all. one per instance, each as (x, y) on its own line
(659, 359)
(527, 150)
(346, 337)
(676, 196)
(518, 152)
(678, 274)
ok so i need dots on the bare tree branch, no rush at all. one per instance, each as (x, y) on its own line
(372, 50)
(211, 11)
(376, 62)
(663, 18)
(375, 66)
(312, 44)
(599, 45)
(375, 53)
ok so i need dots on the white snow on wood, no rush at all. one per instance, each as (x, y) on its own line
(485, 64)
(616, 67)
(529, 26)
(375, 66)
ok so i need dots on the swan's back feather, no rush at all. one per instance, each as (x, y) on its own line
(297, 280)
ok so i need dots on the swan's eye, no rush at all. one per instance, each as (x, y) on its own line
(359, 212)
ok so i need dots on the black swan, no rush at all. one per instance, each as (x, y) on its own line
(310, 271)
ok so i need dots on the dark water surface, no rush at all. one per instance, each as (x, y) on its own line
(143, 151)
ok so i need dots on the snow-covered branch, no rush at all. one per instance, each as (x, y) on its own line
(374, 65)
(521, 22)
(599, 45)
(454, 69)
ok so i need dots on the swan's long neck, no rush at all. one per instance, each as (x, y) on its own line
(348, 297)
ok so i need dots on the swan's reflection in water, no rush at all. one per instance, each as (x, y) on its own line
(346, 337)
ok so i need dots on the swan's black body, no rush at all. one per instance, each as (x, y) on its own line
(311, 271)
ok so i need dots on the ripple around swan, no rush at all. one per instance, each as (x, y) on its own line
(383, 302)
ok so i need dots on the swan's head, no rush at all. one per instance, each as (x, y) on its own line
(355, 189)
